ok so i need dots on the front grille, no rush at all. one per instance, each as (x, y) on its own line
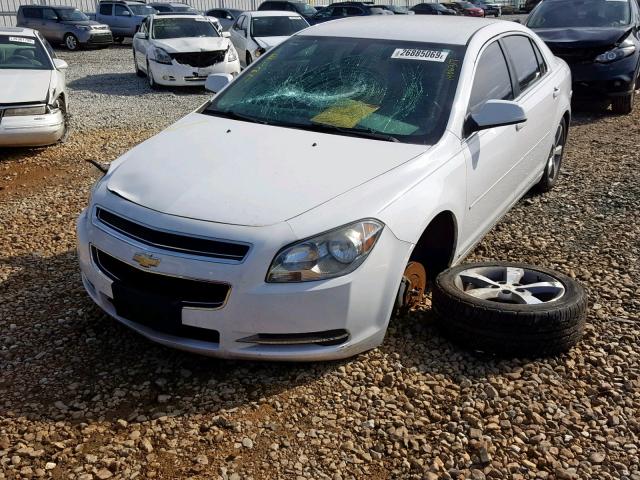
(174, 242)
(577, 55)
(199, 59)
(190, 293)
(101, 38)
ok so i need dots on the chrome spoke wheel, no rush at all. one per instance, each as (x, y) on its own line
(513, 285)
(71, 42)
(555, 157)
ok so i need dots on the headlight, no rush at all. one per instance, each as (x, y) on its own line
(160, 56)
(25, 111)
(328, 255)
(259, 52)
(84, 27)
(232, 56)
(623, 50)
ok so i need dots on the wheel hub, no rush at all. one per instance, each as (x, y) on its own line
(415, 279)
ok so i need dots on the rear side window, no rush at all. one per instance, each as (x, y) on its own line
(524, 60)
(541, 63)
(49, 14)
(105, 8)
(32, 12)
(492, 80)
(353, 11)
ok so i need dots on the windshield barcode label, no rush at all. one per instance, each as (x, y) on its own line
(415, 54)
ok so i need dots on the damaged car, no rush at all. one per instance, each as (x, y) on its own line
(33, 91)
(600, 40)
(320, 190)
(181, 50)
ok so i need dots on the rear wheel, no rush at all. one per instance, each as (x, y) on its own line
(71, 42)
(554, 161)
(118, 39)
(623, 105)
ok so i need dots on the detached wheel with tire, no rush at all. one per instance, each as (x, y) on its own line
(71, 42)
(509, 309)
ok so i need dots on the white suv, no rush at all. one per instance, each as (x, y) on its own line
(287, 217)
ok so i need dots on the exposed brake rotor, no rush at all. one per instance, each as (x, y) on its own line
(414, 282)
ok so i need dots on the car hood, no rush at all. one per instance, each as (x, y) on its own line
(20, 86)
(192, 44)
(269, 42)
(581, 37)
(227, 171)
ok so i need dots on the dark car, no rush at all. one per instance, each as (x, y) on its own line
(432, 9)
(301, 8)
(226, 16)
(397, 9)
(349, 9)
(490, 9)
(600, 40)
(172, 7)
(530, 5)
(66, 25)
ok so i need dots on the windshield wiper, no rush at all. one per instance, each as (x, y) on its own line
(234, 116)
(356, 132)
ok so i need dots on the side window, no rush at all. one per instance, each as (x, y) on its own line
(541, 63)
(351, 11)
(122, 11)
(267, 6)
(106, 9)
(49, 14)
(492, 80)
(144, 26)
(524, 60)
(32, 12)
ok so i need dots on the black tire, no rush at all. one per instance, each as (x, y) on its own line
(118, 39)
(552, 166)
(623, 105)
(139, 72)
(71, 42)
(507, 329)
(248, 59)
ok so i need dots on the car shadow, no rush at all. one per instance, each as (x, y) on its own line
(126, 84)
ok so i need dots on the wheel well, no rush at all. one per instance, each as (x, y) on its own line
(567, 118)
(437, 244)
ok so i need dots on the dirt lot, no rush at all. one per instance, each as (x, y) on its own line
(82, 397)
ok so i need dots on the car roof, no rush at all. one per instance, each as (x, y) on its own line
(273, 13)
(178, 15)
(25, 32)
(417, 28)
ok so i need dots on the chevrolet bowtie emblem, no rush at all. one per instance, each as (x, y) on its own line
(146, 260)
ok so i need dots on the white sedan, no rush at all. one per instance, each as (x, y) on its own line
(288, 217)
(33, 91)
(180, 50)
(253, 33)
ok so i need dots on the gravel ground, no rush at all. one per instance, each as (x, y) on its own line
(82, 397)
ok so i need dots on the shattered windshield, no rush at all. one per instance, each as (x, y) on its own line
(401, 91)
(584, 14)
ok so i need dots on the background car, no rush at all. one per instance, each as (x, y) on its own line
(181, 50)
(490, 9)
(397, 9)
(64, 25)
(600, 40)
(465, 8)
(123, 17)
(339, 10)
(173, 7)
(530, 5)
(256, 32)
(301, 8)
(432, 9)
(226, 16)
(33, 92)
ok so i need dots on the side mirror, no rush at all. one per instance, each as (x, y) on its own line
(226, 34)
(126, 13)
(60, 64)
(141, 35)
(495, 113)
(217, 81)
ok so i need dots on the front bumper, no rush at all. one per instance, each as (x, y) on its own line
(604, 80)
(183, 75)
(98, 38)
(31, 131)
(359, 303)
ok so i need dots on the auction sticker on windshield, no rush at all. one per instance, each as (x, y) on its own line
(30, 41)
(417, 54)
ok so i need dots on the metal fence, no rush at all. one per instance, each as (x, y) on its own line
(8, 8)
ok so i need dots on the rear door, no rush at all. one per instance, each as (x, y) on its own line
(535, 94)
(50, 28)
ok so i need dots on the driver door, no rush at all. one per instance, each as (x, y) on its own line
(490, 154)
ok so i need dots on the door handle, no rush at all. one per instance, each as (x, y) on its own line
(556, 92)
(519, 126)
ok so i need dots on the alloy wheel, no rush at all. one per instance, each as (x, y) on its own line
(555, 157)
